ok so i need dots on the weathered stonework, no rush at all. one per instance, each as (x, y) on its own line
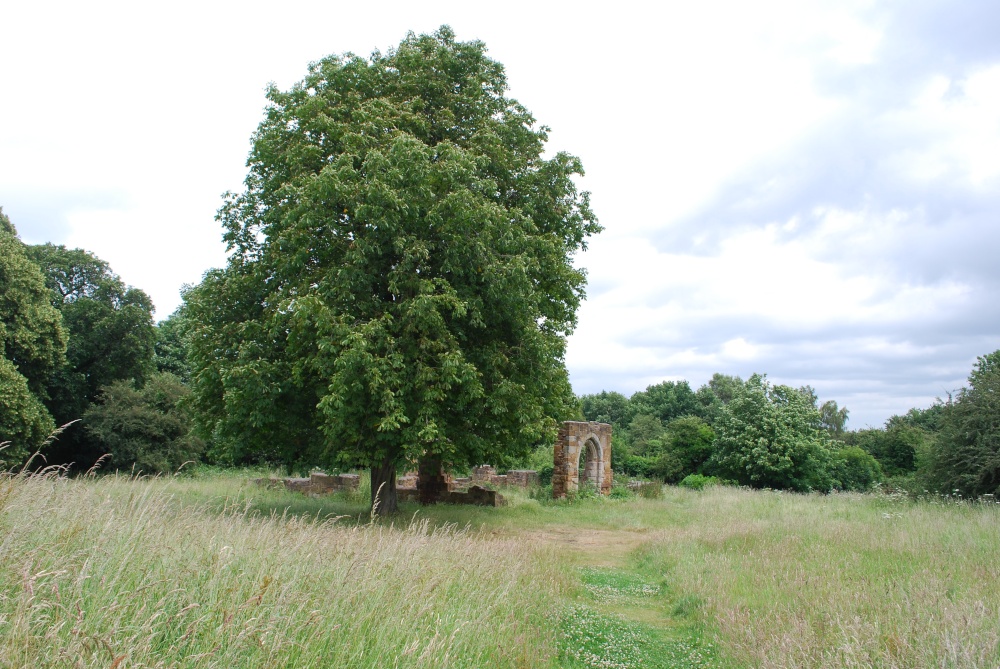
(317, 483)
(433, 483)
(322, 483)
(593, 440)
(525, 478)
(515, 477)
(476, 495)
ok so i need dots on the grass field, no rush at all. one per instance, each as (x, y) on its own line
(207, 570)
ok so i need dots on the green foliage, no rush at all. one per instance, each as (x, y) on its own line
(768, 437)
(666, 401)
(698, 481)
(853, 468)
(646, 435)
(111, 336)
(146, 427)
(545, 474)
(833, 418)
(725, 387)
(620, 491)
(691, 442)
(540, 460)
(32, 347)
(967, 455)
(170, 349)
(607, 407)
(633, 465)
(716, 394)
(24, 421)
(6, 227)
(401, 278)
(895, 446)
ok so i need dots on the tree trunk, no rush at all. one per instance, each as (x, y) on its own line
(384, 500)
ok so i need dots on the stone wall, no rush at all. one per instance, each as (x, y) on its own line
(318, 483)
(519, 477)
(594, 441)
(428, 485)
(525, 478)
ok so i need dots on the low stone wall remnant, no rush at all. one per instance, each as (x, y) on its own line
(318, 483)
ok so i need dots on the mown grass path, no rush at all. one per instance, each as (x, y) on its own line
(621, 615)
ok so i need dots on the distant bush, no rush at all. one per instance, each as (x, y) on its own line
(853, 468)
(633, 465)
(620, 487)
(698, 482)
(966, 456)
(587, 490)
(146, 428)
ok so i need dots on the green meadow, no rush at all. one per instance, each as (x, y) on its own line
(208, 570)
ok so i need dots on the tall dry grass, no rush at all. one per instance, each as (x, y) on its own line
(838, 580)
(119, 573)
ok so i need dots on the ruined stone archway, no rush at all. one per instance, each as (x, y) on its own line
(593, 441)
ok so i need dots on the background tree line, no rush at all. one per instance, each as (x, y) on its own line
(759, 434)
(78, 348)
(79, 345)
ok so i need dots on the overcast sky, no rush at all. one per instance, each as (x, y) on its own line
(805, 189)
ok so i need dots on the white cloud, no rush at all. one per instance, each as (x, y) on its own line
(802, 188)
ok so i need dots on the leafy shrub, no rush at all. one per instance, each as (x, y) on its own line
(895, 447)
(545, 475)
(852, 468)
(146, 428)
(668, 467)
(24, 421)
(698, 481)
(620, 492)
(633, 465)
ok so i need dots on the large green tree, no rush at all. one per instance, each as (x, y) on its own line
(768, 436)
(666, 400)
(32, 347)
(400, 280)
(607, 407)
(967, 457)
(111, 336)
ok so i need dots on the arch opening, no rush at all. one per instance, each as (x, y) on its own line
(590, 465)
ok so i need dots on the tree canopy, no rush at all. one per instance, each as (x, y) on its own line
(400, 279)
(967, 457)
(768, 436)
(110, 338)
(32, 347)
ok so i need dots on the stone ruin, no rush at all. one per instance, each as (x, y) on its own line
(317, 483)
(431, 483)
(593, 442)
